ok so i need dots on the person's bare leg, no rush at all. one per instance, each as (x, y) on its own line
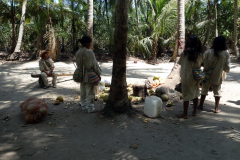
(200, 106)
(185, 110)
(195, 105)
(217, 99)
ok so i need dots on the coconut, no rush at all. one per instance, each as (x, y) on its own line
(105, 98)
(181, 96)
(169, 103)
(157, 82)
(43, 112)
(29, 118)
(106, 90)
(130, 98)
(164, 97)
(156, 78)
(32, 108)
(60, 98)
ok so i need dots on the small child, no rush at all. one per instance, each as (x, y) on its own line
(216, 61)
(190, 59)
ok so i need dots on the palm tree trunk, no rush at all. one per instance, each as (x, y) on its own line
(90, 20)
(136, 12)
(106, 5)
(209, 25)
(174, 77)
(118, 99)
(236, 51)
(215, 15)
(21, 28)
(13, 26)
(181, 26)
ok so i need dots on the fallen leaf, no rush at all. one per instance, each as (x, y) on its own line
(145, 120)
(135, 146)
(18, 148)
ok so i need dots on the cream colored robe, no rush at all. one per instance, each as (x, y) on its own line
(223, 64)
(86, 57)
(190, 87)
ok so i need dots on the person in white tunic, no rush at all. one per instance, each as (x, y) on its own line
(86, 58)
(216, 61)
(46, 67)
(190, 59)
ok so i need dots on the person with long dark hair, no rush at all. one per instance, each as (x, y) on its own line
(85, 58)
(190, 59)
(216, 61)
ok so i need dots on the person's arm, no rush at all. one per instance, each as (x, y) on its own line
(95, 65)
(227, 64)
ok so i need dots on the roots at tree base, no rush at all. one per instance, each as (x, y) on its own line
(113, 107)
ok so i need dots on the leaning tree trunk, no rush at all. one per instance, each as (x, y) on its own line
(174, 77)
(215, 16)
(236, 51)
(13, 26)
(90, 20)
(118, 99)
(209, 25)
(17, 50)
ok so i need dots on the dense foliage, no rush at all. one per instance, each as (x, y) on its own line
(152, 23)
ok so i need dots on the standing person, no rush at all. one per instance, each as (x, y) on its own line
(216, 61)
(46, 67)
(86, 58)
(190, 59)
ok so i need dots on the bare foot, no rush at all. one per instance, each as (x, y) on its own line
(194, 114)
(217, 111)
(182, 116)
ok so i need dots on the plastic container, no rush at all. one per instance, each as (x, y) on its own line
(153, 106)
(101, 86)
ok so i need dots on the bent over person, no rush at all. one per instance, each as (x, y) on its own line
(85, 58)
(46, 67)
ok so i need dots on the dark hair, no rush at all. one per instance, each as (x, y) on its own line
(219, 44)
(193, 48)
(85, 40)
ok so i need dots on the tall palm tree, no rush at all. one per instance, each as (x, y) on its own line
(181, 26)
(236, 51)
(90, 19)
(215, 16)
(118, 99)
(21, 28)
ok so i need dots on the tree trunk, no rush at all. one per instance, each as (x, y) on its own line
(181, 26)
(174, 77)
(90, 20)
(209, 25)
(215, 15)
(118, 99)
(21, 28)
(136, 13)
(106, 5)
(13, 26)
(236, 51)
(174, 56)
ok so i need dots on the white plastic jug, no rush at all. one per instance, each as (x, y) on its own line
(153, 106)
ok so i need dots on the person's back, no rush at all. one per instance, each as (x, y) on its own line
(85, 58)
(222, 64)
(216, 61)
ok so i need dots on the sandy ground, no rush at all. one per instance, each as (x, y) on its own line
(69, 133)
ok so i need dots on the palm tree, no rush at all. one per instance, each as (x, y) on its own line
(174, 77)
(20, 35)
(118, 99)
(236, 51)
(90, 19)
(215, 16)
(209, 24)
